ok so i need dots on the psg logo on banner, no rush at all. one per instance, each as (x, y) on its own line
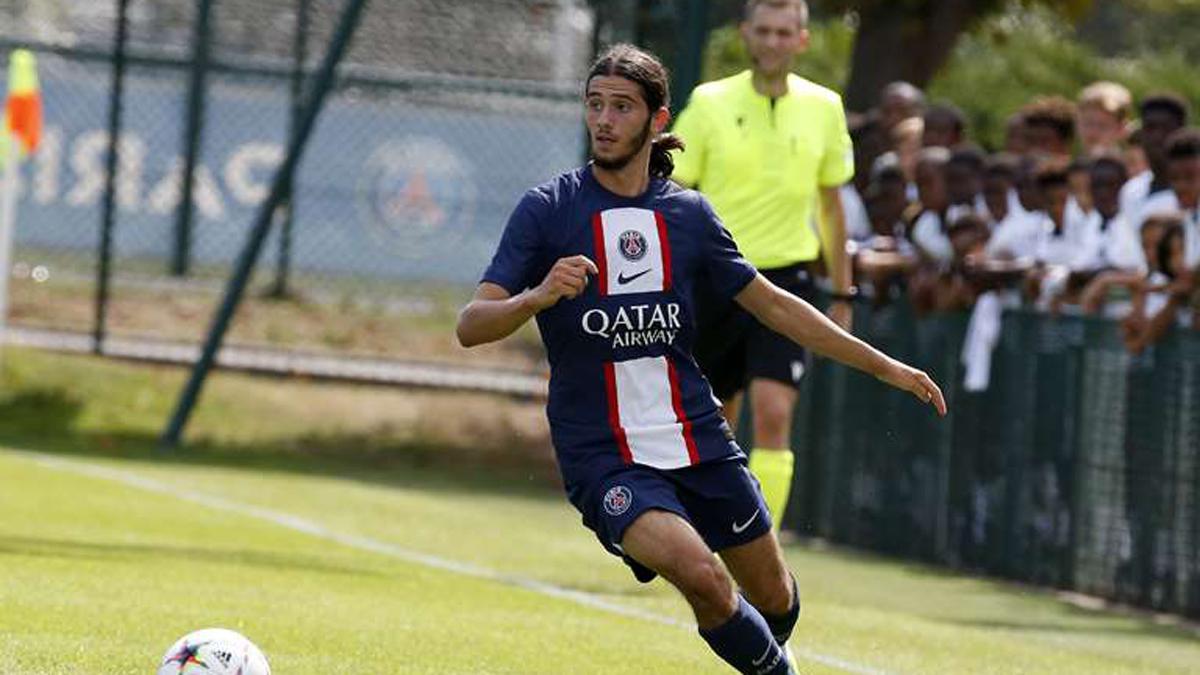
(617, 500)
(416, 193)
(632, 245)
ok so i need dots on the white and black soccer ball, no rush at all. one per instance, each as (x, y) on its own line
(214, 651)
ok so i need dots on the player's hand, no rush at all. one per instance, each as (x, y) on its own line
(567, 279)
(917, 383)
(841, 313)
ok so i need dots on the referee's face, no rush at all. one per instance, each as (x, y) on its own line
(618, 120)
(773, 37)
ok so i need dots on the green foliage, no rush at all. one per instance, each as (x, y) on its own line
(1017, 56)
(1005, 62)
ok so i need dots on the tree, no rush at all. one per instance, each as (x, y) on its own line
(911, 39)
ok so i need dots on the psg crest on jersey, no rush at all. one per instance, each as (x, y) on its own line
(617, 500)
(633, 245)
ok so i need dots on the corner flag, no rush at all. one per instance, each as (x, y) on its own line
(19, 136)
(23, 107)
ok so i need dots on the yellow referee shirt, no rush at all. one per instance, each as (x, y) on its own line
(761, 162)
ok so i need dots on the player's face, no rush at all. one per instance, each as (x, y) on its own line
(1185, 180)
(618, 121)
(773, 36)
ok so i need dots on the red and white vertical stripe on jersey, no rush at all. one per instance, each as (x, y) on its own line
(645, 411)
(644, 266)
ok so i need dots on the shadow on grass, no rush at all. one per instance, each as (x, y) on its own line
(46, 420)
(85, 550)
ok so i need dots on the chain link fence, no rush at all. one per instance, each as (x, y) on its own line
(1077, 467)
(444, 113)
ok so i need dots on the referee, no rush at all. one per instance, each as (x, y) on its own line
(766, 147)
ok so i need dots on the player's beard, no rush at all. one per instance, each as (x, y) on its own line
(621, 161)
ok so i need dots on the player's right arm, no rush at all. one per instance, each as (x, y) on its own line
(494, 314)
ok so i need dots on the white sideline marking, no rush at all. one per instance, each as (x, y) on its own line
(294, 522)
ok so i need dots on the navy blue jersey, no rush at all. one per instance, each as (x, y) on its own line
(624, 388)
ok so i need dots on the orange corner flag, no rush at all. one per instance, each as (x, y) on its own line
(23, 109)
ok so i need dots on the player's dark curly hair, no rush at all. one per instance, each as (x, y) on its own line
(636, 65)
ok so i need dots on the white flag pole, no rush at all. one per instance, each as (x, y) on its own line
(8, 221)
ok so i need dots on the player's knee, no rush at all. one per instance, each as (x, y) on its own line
(707, 586)
(774, 597)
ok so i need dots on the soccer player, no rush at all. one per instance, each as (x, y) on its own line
(766, 147)
(608, 257)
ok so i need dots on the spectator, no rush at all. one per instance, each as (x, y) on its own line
(906, 143)
(1050, 126)
(882, 260)
(945, 125)
(1108, 245)
(1183, 171)
(1161, 116)
(899, 101)
(1103, 110)
(1107, 283)
(1134, 155)
(1159, 301)
(1078, 181)
(1016, 135)
(949, 288)
(999, 180)
(887, 197)
(964, 183)
(1058, 240)
(929, 226)
(1016, 237)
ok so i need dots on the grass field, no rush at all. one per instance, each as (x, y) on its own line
(374, 549)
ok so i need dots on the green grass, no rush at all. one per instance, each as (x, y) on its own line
(97, 575)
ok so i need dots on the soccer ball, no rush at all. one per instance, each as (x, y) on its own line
(214, 650)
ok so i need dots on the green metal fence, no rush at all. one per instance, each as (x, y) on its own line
(1077, 468)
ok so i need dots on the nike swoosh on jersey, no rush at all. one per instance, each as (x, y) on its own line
(622, 279)
(738, 529)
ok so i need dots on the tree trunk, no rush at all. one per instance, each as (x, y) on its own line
(904, 41)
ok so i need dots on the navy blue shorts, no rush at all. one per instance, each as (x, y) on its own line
(722, 500)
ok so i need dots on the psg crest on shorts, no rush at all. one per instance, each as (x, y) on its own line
(633, 245)
(617, 500)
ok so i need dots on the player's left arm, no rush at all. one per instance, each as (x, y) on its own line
(799, 321)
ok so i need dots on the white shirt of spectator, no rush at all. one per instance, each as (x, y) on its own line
(1059, 248)
(1016, 236)
(1110, 247)
(1165, 202)
(1134, 192)
(930, 237)
(979, 208)
(854, 213)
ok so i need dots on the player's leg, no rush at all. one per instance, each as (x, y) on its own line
(761, 573)
(733, 628)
